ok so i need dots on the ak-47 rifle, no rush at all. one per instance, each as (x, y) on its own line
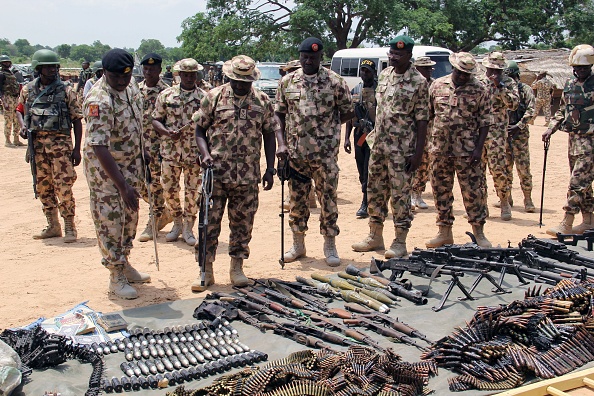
(30, 158)
(301, 291)
(289, 300)
(241, 302)
(205, 205)
(352, 333)
(284, 311)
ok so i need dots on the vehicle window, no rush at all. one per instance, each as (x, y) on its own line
(442, 66)
(335, 66)
(269, 72)
(349, 67)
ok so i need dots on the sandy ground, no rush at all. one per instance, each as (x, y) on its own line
(47, 277)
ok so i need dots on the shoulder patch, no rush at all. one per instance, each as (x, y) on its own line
(93, 110)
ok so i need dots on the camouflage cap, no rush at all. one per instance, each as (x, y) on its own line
(241, 68)
(581, 55)
(495, 60)
(187, 65)
(464, 62)
(423, 61)
(292, 65)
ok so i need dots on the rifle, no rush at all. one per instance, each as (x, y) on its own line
(266, 302)
(205, 205)
(363, 122)
(240, 302)
(30, 158)
(289, 301)
(354, 334)
(283, 173)
(149, 180)
(302, 291)
(547, 143)
(557, 250)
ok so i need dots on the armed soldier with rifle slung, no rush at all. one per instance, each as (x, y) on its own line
(9, 93)
(576, 117)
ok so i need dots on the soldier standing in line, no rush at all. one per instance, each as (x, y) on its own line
(98, 70)
(9, 94)
(576, 117)
(312, 103)
(544, 91)
(424, 65)
(460, 107)
(51, 111)
(365, 107)
(151, 87)
(172, 120)
(85, 74)
(518, 150)
(505, 98)
(201, 82)
(168, 76)
(211, 76)
(114, 167)
(397, 148)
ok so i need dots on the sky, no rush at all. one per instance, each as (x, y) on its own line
(117, 23)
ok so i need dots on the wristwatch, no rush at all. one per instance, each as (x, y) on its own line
(271, 170)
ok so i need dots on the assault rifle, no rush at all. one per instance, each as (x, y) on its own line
(352, 333)
(289, 300)
(300, 291)
(30, 158)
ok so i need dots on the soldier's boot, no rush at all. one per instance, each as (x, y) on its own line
(70, 233)
(134, 276)
(208, 279)
(176, 230)
(16, 141)
(398, 247)
(163, 220)
(510, 200)
(418, 200)
(565, 227)
(506, 213)
(362, 212)
(373, 241)
(586, 224)
(528, 204)
(298, 248)
(188, 232)
(8, 143)
(147, 234)
(236, 274)
(479, 234)
(330, 252)
(312, 199)
(444, 237)
(52, 229)
(119, 285)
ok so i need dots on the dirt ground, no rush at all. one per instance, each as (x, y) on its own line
(47, 277)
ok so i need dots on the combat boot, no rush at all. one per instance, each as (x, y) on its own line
(176, 230)
(373, 241)
(236, 274)
(70, 233)
(586, 224)
(497, 204)
(528, 204)
(147, 234)
(312, 199)
(479, 234)
(188, 232)
(362, 212)
(52, 229)
(118, 284)
(506, 214)
(163, 220)
(134, 276)
(17, 142)
(330, 252)
(298, 248)
(565, 227)
(444, 237)
(398, 247)
(208, 279)
(417, 200)
(8, 143)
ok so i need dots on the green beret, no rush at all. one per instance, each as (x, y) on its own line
(402, 42)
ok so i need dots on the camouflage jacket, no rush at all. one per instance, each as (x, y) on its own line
(150, 95)
(525, 111)
(113, 120)
(505, 98)
(402, 100)
(205, 85)
(314, 106)
(234, 129)
(543, 88)
(458, 113)
(576, 110)
(8, 84)
(174, 108)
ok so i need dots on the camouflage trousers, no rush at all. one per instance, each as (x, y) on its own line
(545, 105)
(115, 225)
(472, 183)
(170, 176)
(496, 148)
(518, 153)
(422, 175)
(325, 177)
(11, 125)
(156, 187)
(362, 154)
(242, 203)
(388, 180)
(55, 172)
(581, 165)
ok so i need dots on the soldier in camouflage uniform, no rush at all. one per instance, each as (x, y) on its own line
(98, 70)
(397, 148)
(172, 120)
(201, 82)
(9, 93)
(505, 97)
(151, 87)
(460, 106)
(518, 150)
(576, 117)
(312, 103)
(114, 167)
(544, 91)
(85, 74)
(235, 119)
(51, 110)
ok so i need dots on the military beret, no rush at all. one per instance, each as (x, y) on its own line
(311, 44)
(402, 42)
(118, 60)
(368, 64)
(151, 59)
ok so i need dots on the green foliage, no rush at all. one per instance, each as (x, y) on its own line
(150, 45)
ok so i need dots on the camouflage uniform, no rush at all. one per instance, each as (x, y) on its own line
(314, 107)
(204, 85)
(235, 127)
(543, 89)
(9, 93)
(402, 101)
(175, 107)
(113, 120)
(422, 175)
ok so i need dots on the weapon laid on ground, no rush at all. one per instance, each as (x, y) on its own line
(205, 205)
(353, 294)
(289, 300)
(241, 302)
(266, 302)
(573, 239)
(301, 291)
(320, 288)
(284, 175)
(149, 180)
(557, 250)
(352, 333)
(547, 143)
(30, 158)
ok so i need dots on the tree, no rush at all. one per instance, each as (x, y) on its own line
(150, 45)
(63, 50)
(23, 47)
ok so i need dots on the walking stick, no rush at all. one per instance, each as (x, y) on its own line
(205, 205)
(149, 180)
(544, 169)
(283, 175)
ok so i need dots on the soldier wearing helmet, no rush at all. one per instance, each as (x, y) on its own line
(51, 111)
(97, 68)
(544, 89)
(9, 93)
(85, 74)
(576, 117)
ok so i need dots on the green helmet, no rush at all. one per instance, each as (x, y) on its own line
(97, 66)
(44, 57)
(512, 68)
(4, 58)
